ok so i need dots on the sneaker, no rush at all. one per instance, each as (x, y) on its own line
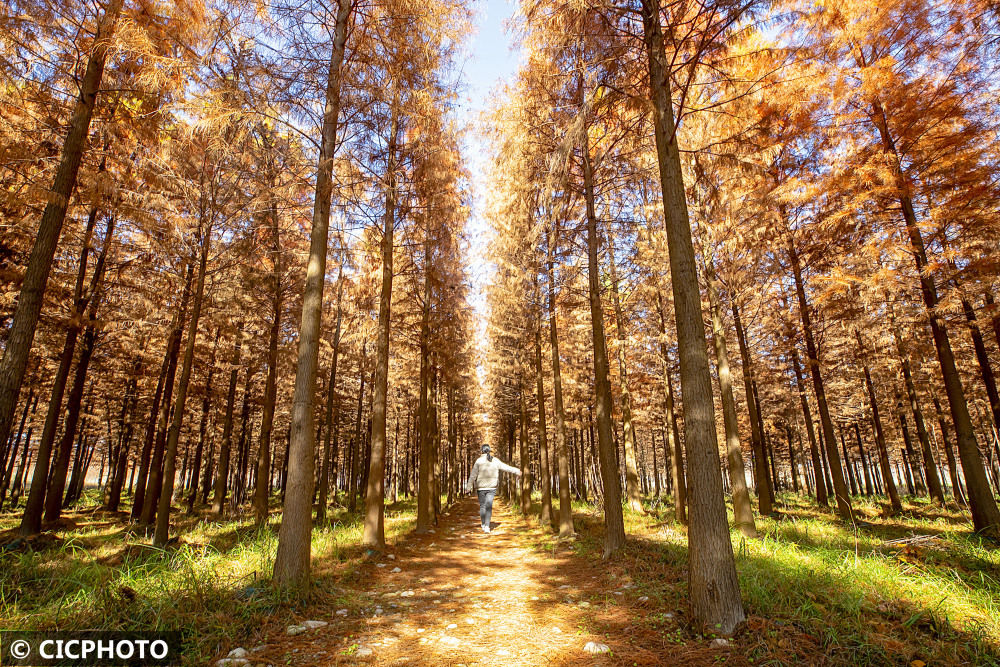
(486, 529)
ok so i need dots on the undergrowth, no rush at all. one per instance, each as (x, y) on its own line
(212, 584)
(885, 590)
(920, 587)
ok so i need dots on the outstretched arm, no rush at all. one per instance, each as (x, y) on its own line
(506, 468)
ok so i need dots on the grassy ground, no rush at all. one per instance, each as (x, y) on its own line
(816, 590)
(95, 573)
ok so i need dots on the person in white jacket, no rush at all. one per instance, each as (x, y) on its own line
(483, 479)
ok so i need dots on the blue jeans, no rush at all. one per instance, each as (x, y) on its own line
(486, 506)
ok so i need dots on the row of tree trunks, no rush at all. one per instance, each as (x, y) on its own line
(982, 503)
(14, 363)
(206, 405)
(49, 493)
(154, 481)
(170, 454)
(830, 444)
(262, 489)
(332, 412)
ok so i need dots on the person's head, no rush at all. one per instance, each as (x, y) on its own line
(486, 450)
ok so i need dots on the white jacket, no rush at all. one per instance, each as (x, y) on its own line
(486, 473)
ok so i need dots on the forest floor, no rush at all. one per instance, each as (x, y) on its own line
(457, 596)
(914, 589)
(911, 590)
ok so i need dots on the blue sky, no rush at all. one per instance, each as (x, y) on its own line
(490, 61)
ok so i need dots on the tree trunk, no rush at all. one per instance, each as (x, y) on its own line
(85, 447)
(88, 302)
(155, 479)
(985, 513)
(883, 451)
(673, 446)
(545, 518)
(291, 564)
(29, 406)
(865, 463)
(614, 526)
(206, 405)
(847, 462)
(933, 480)
(352, 481)
(31, 521)
(985, 368)
(742, 509)
(909, 454)
(170, 456)
(424, 477)
(374, 523)
(656, 466)
(821, 490)
(17, 486)
(522, 452)
(394, 467)
(771, 461)
(60, 467)
(830, 444)
(118, 460)
(712, 583)
(949, 455)
(566, 529)
(329, 438)
(138, 482)
(263, 483)
(633, 494)
(30, 299)
(225, 449)
(435, 447)
(761, 478)
(243, 445)
(791, 458)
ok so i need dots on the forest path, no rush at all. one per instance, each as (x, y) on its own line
(462, 597)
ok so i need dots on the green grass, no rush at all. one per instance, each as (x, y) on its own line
(212, 585)
(817, 589)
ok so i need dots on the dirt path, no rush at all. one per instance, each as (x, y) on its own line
(461, 597)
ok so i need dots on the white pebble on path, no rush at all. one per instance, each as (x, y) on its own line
(596, 647)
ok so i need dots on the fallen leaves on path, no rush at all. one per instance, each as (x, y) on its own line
(458, 596)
